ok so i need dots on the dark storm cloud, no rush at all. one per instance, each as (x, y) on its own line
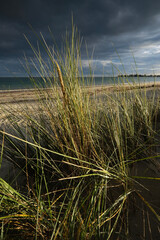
(125, 23)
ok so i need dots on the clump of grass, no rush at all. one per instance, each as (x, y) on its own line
(79, 155)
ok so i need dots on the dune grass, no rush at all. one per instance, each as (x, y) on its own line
(79, 156)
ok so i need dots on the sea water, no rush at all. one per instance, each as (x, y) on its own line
(11, 83)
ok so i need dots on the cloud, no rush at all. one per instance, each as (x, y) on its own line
(109, 27)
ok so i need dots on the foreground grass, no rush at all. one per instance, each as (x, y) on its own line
(84, 159)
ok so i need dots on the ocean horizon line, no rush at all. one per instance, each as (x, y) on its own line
(13, 83)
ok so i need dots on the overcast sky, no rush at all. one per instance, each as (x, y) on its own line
(117, 30)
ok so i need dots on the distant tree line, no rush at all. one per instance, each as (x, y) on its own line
(138, 75)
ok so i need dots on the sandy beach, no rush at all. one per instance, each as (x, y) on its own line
(14, 101)
(31, 95)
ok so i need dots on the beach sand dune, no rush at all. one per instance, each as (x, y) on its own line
(14, 101)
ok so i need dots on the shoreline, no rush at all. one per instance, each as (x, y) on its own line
(31, 95)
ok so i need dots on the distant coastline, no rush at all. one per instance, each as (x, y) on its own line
(138, 75)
